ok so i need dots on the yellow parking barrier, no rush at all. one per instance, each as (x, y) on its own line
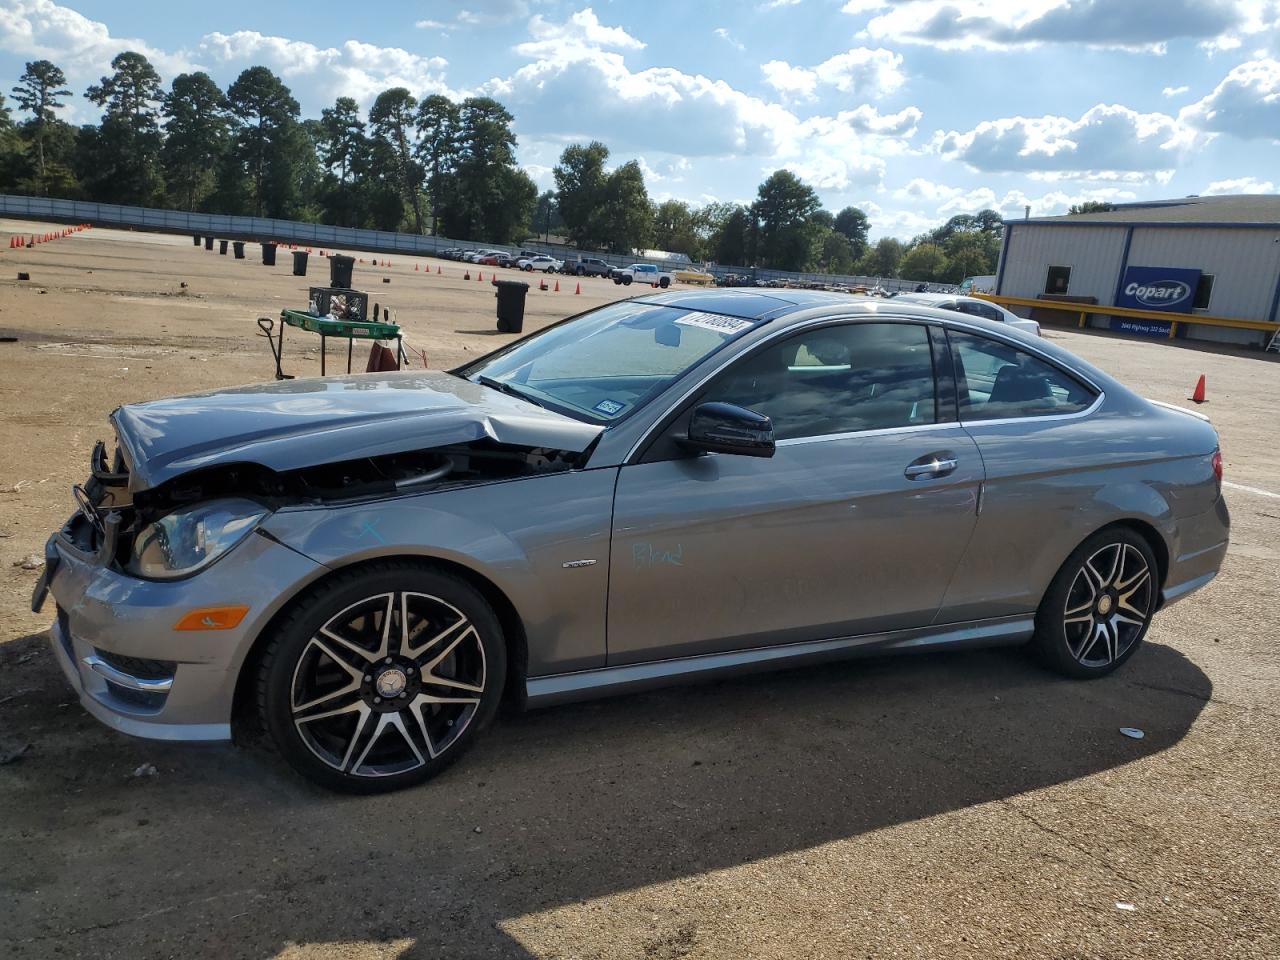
(1085, 310)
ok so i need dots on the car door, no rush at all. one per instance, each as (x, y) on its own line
(1044, 454)
(854, 526)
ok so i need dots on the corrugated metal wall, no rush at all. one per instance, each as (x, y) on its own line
(1092, 253)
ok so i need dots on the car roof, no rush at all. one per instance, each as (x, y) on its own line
(750, 305)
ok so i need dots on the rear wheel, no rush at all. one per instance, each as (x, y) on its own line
(383, 677)
(664, 283)
(1099, 606)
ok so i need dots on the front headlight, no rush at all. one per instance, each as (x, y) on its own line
(188, 540)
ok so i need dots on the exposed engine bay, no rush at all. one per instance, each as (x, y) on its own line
(111, 515)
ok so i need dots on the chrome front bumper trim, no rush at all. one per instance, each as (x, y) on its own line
(142, 684)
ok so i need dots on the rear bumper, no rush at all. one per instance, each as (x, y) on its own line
(1201, 545)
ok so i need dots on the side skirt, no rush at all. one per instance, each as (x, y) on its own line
(628, 678)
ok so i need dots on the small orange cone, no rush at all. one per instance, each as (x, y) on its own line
(577, 290)
(437, 269)
(415, 268)
(557, 290)
(480, 275)
(1197, 395)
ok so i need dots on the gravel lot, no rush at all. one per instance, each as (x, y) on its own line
(966, 805)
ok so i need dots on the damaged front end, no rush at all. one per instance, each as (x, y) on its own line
(178, 528)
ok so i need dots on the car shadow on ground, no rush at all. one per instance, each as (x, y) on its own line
(225, 853)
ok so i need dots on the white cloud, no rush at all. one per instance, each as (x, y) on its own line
(860, 71)
(578, 36)
(1105, 139)
(482, 12)
(919, 188)
(867, 119)
(354, 69)
(1239, 185)
(1001, 24)
(728, 38)
(788, 80)
(1245, 104)
(83, 48)
(1174, 91)
(430, 25)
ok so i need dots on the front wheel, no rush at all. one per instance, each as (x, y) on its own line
(581, 272)
(382, 678)
(626, 281)
(664, 283)
(1099, 606)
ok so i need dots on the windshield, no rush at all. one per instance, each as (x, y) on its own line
(607, 364)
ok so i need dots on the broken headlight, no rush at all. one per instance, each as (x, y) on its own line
(188, 540)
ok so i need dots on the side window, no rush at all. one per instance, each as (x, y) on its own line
(837, 379)
(997, 381)
(975, 309)
(1057, 280)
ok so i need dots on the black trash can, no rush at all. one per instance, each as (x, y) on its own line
(208, 243)
(299, 263)
(222, 248)
(237, 247)
(340, 271)
(268, 254)
(511, 294)
(196, 239)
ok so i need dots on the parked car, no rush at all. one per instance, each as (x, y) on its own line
(489, 258)
(736, 280)
(972, 306)
(717, 481)
(586, 267)
(541, 262)
(642, 273)
(506, 260)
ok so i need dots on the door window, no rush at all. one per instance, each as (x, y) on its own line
(977, 309)
(996, 381)
(837, 379)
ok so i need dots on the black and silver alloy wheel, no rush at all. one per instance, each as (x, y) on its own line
(379, 683)
(1099, 605)
(1108, 605)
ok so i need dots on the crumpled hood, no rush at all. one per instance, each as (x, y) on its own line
(303, 423)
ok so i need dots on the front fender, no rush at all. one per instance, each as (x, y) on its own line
(520, 535)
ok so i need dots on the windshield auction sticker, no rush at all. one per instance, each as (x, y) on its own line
(712, 321)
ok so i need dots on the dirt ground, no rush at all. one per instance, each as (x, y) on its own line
(967, 805)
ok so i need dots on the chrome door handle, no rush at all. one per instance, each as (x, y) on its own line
(933, 467)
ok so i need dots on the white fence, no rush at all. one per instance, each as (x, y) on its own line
(227, 227)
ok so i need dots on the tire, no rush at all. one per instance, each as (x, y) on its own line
(527, 269)
(618, 281)
(664, 283)
(1099, 605)
(548, 270)
(581, 272)
(348, 708)
(626, 281)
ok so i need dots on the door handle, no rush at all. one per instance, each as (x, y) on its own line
(931, 465)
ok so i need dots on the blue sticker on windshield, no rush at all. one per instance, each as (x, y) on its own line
(610, 408)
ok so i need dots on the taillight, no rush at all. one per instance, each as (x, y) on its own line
(1217, 465)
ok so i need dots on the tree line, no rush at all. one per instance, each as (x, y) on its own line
(421, 165)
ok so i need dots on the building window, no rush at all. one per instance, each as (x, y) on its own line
(1058, 279)
(1204, 291)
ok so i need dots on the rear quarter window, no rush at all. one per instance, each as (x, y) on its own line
(997, 381)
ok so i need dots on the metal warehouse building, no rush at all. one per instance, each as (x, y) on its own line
(1198, 256)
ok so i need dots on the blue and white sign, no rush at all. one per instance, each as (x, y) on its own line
(1167, 289)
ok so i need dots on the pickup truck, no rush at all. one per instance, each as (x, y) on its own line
(642, 273)
(586, 267)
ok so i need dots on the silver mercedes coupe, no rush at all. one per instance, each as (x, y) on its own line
(676, 486)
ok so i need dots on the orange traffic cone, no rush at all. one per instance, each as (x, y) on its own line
(1197, 395)
(415, 268)
(557, 290)
(437, 269)
(480, 275)
(577, 290)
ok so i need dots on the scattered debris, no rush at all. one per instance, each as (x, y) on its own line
(146, 770)
(24, 276)
(386, 279)
(32, 561)
(16, 488)
(476, 830)
(1133, 733)
(9, 756)
(1121, 905)
(183, 284)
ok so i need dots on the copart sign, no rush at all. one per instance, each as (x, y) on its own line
(1167, 289)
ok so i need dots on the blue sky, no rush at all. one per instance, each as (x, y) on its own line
(912, 109)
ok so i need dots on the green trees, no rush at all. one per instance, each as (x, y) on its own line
(264, 115)
(784, 211)
(122, 157)
(392, 116)
(484, 196)
(925, 261)
(437, 124)
(853, 225)
(39, 91)
(602, 209)
(196, 140)
(343, 148)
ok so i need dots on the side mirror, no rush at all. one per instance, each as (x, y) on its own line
(727, 428)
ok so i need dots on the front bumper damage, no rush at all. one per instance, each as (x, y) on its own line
(114, 637)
